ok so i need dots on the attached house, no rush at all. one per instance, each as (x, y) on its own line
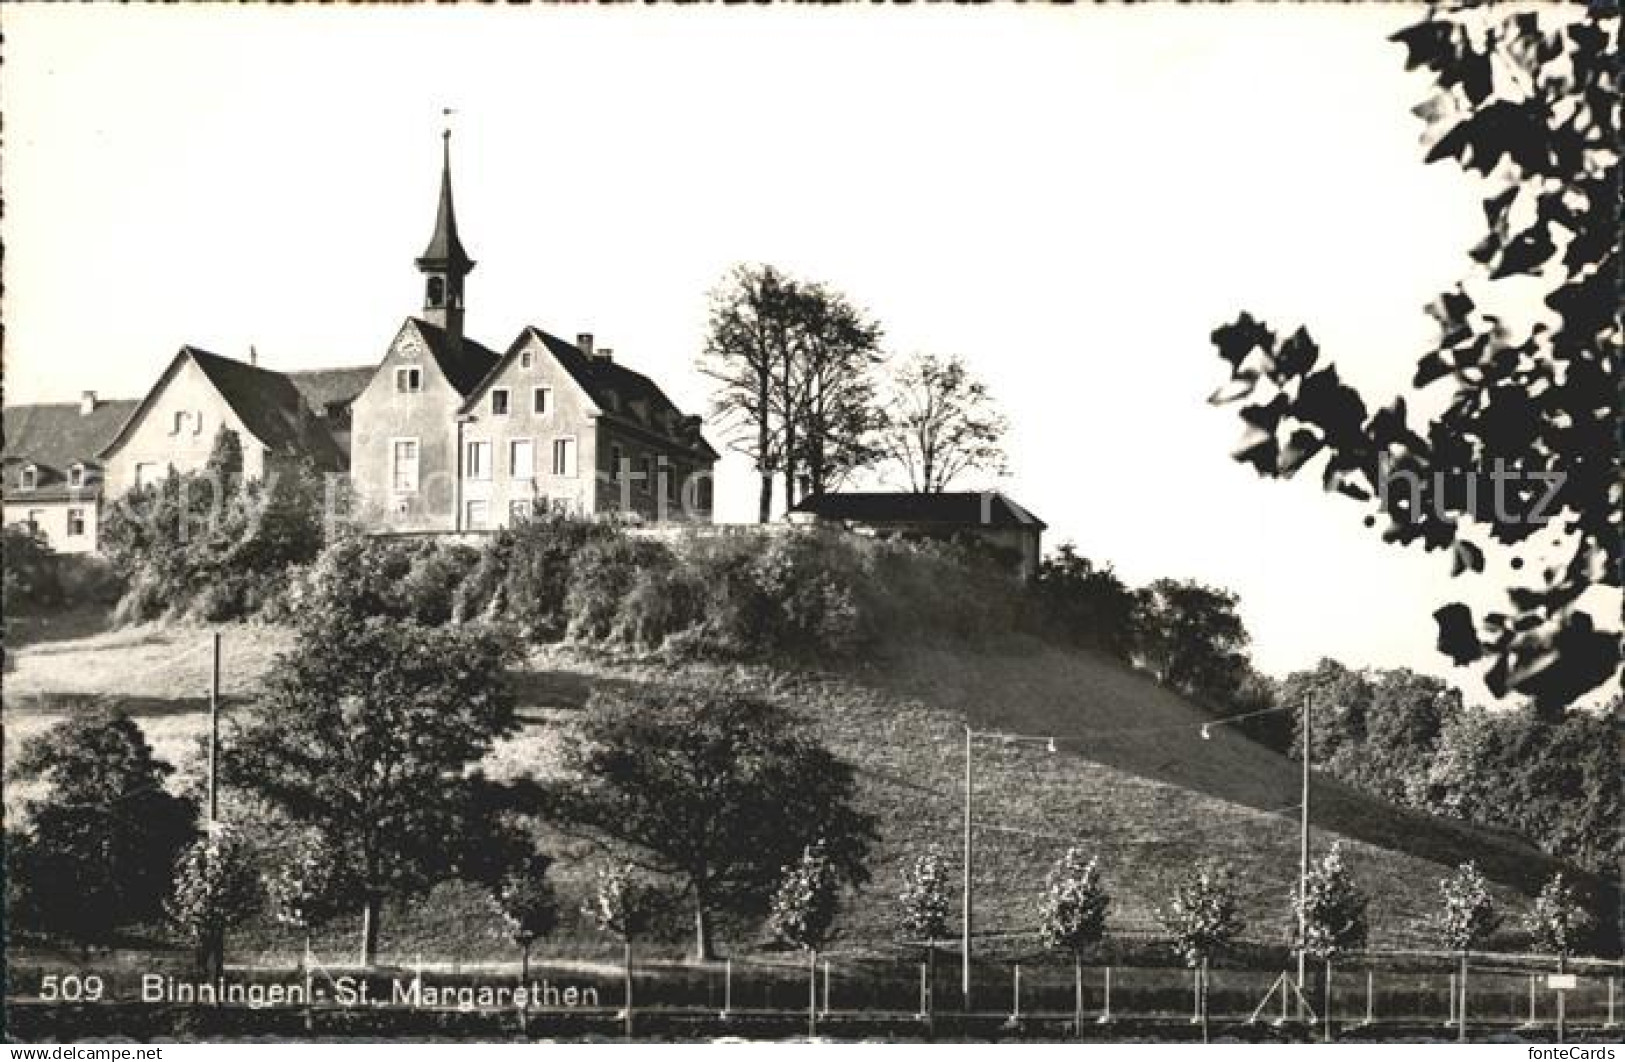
(199, 394)
(450, 436)
(53, 477)
(986, 517)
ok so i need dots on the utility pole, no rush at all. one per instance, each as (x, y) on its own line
(964, 944)
(1303, 853)
(214, 733)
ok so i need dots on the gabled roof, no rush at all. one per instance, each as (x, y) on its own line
(464, 366)
(55, 436)
(959, 508)
(270, 407)
(326, 388)
(599, 378)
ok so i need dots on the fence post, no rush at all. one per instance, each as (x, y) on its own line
(1370, 984)
(825, 1011)
(1530, 1023)
(1196, 995)
(924, 974)
(1106, 1010)
(1015, 995)
(1451, 1019)
(727, 989)
(1610, 1023)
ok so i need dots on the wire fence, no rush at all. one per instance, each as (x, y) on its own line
(1396, 989)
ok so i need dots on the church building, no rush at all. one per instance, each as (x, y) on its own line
(444, 435)
(451, 435)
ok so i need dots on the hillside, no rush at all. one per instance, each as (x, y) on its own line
(1132, 780)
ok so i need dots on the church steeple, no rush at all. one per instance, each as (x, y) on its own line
(444, 262)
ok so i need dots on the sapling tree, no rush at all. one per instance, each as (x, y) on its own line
(303, 889)
(1072, 916)
(1465, 918)
(528, 906)
(803, 914)
(215, 886)
(1558, 922)
(1202, 918)
(624, 905)
(923, 911)
(1332, 911)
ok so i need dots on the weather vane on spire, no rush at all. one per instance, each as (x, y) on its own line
(446, 113)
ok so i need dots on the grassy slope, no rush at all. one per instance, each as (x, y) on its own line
(1132, 780)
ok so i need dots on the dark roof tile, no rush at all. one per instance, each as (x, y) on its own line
(960, 508)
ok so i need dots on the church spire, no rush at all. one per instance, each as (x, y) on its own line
(444, 262)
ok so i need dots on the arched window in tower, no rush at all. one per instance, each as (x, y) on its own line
(437, 291)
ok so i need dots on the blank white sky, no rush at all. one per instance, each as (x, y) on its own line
(1072, 199)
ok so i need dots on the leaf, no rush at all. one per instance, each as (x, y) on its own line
(1464, 556)
(1527, 252)
(1237, 339)
(1300, 448)
(1457, 637)
(1233, 391)
(1427, 44)
(1298, 354)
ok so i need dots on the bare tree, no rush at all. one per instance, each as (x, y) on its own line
(793, 362)
(941, 423)
(830, 408)
(746, 349)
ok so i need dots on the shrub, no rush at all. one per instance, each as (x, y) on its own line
(88, 579)
(31, 569)
(523, 573)
(210, 544)
(602, 576)
(358, 577)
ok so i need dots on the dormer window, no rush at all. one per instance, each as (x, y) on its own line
(76, 475)
(30, 477)
(408, 381)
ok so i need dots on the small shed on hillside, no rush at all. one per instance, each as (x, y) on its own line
(987, 517)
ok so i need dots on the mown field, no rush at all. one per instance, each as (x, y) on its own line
(1131, 780)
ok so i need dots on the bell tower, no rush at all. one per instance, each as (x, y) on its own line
(444, 264)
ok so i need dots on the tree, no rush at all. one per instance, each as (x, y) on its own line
(1203, 918)
(1557, 784)
(303, 889)
(1465, 918)
(1332, 911)
(923, 912)
(101, 842)
(941, 424)
(215, 887)
(1192, 637)
(1072, 916)
(1558, 922)
(792, 363)
(1084, 604)
(1523, 449)
(626, 905)
(525, 900)
(803, 914)
(827, 401)
(366, 732)
(712, 787)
